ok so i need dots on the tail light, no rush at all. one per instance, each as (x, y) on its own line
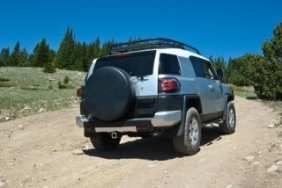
(167, 85)
(79, 92)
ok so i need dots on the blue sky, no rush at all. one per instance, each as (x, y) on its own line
(215, 27)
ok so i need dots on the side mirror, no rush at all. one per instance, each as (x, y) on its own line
(219, 73)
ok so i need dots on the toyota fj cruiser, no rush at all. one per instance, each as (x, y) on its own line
(154, 86)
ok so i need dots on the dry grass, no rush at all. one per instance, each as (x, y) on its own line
(26, 91)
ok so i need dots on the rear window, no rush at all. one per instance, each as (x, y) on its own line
(135, 64)
(169, 64)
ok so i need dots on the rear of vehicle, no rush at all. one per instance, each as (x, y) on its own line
(147, 92)
(129, 94)
(135, 93)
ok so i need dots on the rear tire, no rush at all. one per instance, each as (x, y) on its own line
(104, 142)
(189, 142)
(229, 124)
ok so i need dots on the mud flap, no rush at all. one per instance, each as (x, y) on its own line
(180, 130)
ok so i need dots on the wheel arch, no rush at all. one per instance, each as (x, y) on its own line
(230, 97)
(193, 101)
(189, 102)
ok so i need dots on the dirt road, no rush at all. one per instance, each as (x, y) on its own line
(45, 150)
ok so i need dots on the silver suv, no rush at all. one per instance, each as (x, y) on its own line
(150, 87)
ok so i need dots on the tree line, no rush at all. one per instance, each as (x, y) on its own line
(71, 55)
(263, 72)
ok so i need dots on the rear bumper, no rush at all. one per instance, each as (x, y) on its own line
(163, 119)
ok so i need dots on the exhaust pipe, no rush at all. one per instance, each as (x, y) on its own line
(114, 135)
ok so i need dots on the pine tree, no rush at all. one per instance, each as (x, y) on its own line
(15, 58)
(4, 56)
(106, 48)
(49, 66)
(86, 61)
(78, 54)
(65, 56)
(41, 54)
(93, 50)
(268, 77)
(24, 57)
(218, 63)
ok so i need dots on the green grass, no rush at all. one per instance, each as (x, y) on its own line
(246, 92)
(31, 91)
(249, 93)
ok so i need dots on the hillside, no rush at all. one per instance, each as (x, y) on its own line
(26, 91)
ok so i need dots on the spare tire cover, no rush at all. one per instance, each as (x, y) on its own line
(108, 93)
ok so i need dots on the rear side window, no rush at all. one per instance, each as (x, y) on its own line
(169, 65)
(135, 64)
(203, 68)
(198, 67)
(186, 65)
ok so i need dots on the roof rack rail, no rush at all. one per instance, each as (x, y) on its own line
(150, 43)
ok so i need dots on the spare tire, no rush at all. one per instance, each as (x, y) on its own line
(109, 94)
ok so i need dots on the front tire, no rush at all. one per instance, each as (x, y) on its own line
(229, 123)
(104, 142)
(189, 142)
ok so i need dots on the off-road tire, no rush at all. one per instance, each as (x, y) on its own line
(229, 123)
(104, 142)
(189, 142)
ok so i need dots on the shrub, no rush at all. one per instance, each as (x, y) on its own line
(6, 84)
(65, 84)
(66, 80)
(61, 86)
(4, 79)
(49, 68)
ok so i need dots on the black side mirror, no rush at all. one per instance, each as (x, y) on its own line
(219, 73)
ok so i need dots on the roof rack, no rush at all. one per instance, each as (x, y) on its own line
(149, 44)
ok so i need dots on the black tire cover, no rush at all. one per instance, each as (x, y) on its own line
(108, 93)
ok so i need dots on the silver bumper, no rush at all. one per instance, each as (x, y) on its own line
(166, 118)
(160, 119)
(80, 120)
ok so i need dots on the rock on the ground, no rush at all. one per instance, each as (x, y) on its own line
(77, 152)
(2, 184)
(271, 125)
(42, 110)
(249, 158)
(26, 108)
(273, 169)
(21, 127)
(255, 163)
